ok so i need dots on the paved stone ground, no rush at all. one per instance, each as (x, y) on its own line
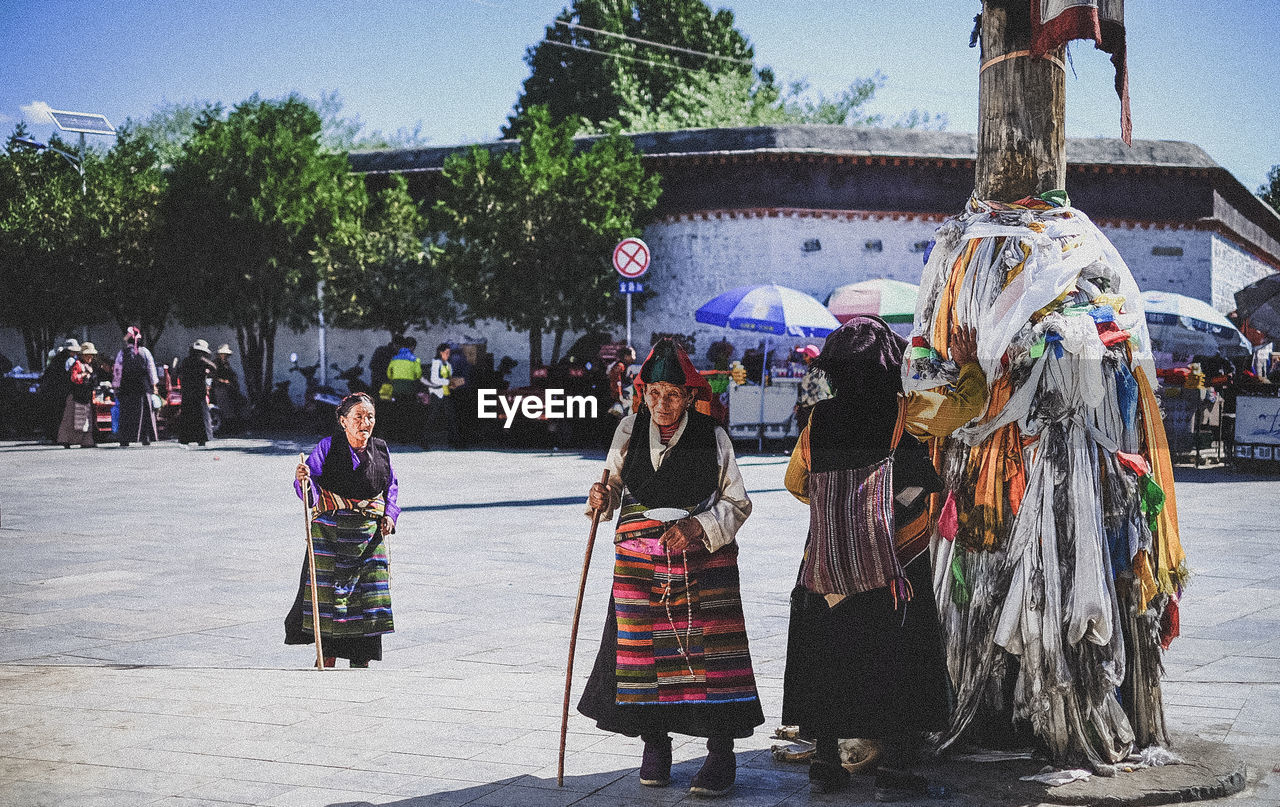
(142, 592)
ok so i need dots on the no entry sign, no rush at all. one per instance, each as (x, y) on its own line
(631, 258)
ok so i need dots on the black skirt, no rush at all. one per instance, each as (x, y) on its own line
(357, 648)
(599, 702)
(864, 669)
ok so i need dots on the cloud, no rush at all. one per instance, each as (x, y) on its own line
(36, 112)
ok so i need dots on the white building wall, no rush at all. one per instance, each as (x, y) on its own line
(1147, 251)
(1233, 269)
(696, 258)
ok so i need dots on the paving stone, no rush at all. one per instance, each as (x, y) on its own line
(184, 686)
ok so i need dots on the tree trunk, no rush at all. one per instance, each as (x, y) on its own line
(151, 331)
(535, 349)
(251, 362)
(556, 345)
(1022, 147)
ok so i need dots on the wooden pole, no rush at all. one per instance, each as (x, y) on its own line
(311, 566)
(1022, 144)
(573, 637)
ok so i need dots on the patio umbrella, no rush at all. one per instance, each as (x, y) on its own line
(890, 300)
(1181, 324)
(1258, 306)
(769, 309)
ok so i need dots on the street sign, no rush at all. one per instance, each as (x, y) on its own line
(631, 258)
(83, 122)
(630, 287)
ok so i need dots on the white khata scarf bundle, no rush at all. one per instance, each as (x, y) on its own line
(1057, 560)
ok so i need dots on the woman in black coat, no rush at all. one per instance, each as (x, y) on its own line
(194, 422)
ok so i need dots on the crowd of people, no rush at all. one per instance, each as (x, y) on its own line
(77, 380)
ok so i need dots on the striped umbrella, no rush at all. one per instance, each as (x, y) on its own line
(891, 300)
(1181, 324)
(770, 309)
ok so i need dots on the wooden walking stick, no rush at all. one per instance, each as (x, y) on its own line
(311, 566)
(573, 634)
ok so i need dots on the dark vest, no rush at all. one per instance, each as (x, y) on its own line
(370, 479)
(134, 376)
(690, 473)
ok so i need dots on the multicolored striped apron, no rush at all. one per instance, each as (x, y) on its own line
(681, 633)
(351, 567)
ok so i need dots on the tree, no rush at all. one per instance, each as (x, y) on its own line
(378, 271)
(733, 99)
(657, 65)
(1270, 192)
(171, 125)
(128, 271)
(251, 198)
(590, 63)
(526, 237)
(42, 291)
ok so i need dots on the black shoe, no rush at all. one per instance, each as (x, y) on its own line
(893, 785)
(716, 776)
(827, 777)
(655, 766)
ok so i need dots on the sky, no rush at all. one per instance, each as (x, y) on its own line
(1208, 73)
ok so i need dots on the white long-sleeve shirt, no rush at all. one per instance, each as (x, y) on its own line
(728, 507)
(438, 380)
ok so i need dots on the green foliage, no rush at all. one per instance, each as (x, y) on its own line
(42, 283)
(171, 126)
(253, 196)
(571, 82)
(1270, 192)
(378, 271)
(526, 236)
(733, 99)
(123, 237)
(646, 88)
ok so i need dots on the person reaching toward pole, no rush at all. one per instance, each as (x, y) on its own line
(865, 657)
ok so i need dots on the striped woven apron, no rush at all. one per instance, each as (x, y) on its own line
(681, 633)
(351, 568)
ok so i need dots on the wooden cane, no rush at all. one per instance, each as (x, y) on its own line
(573, 634)
(311, 566)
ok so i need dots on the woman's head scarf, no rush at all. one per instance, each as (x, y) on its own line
(669, 362)
(133, 337)
(865, 355)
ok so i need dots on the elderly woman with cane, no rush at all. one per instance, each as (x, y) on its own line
(864, 647)
(353, 487)
(674, 655)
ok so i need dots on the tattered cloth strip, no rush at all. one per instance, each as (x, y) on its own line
(664, 656)
(1065, 561)
(351, 568)
(1056, 22)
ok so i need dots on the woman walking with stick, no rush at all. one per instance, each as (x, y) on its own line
(353, 489)
(674, 655)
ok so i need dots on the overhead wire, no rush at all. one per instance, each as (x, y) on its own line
(651, 43)
(650, 62)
